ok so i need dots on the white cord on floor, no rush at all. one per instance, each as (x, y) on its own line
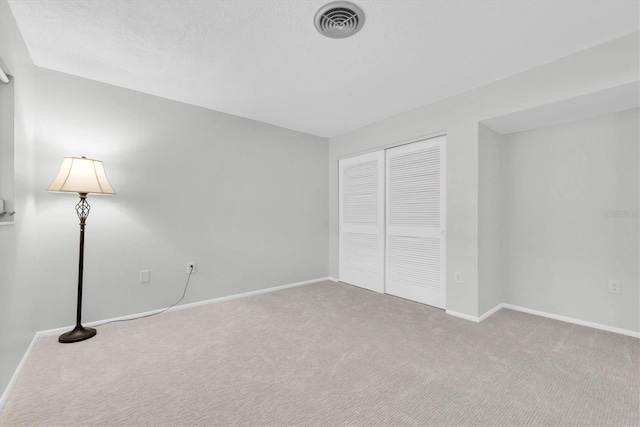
(153, 314)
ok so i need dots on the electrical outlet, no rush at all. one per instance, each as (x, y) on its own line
(458, 277)
(614, 286)
(191, 267)
(144, 276)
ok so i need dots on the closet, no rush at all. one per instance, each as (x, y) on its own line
(392, 221)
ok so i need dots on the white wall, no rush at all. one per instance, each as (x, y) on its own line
(559, 247)
(6, 149)
(609, 65)
(15, 332)
(245, 200)
(490, 219)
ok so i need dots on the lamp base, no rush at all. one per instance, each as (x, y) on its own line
(79, 333)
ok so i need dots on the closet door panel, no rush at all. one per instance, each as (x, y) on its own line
(361, 221)
(415, 263)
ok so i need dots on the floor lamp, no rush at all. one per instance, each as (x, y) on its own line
(83, 176)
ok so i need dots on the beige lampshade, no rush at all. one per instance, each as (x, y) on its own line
(81, 175)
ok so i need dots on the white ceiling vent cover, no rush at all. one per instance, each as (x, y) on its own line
(339, 19)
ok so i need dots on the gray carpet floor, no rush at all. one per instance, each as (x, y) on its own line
(331, 354)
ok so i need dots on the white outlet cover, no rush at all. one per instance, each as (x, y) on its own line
(614, 286)
(144, 276)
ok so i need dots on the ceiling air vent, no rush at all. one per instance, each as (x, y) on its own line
(339, 19)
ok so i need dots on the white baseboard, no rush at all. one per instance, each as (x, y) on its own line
(16, 373)
(475, 319)
(333, 279)
(244, 294)
(490, 312)
(547, 315)
(572, 320)
(57, 331)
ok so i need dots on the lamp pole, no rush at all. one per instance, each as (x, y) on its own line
(80, 333)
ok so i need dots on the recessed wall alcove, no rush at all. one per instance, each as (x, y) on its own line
(558, 208)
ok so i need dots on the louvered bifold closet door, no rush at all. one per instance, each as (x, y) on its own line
(415, 222)
(361, 221)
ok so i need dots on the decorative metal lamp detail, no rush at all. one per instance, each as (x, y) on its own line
(83, 176)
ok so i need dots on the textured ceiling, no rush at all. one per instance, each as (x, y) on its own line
(264, 59)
